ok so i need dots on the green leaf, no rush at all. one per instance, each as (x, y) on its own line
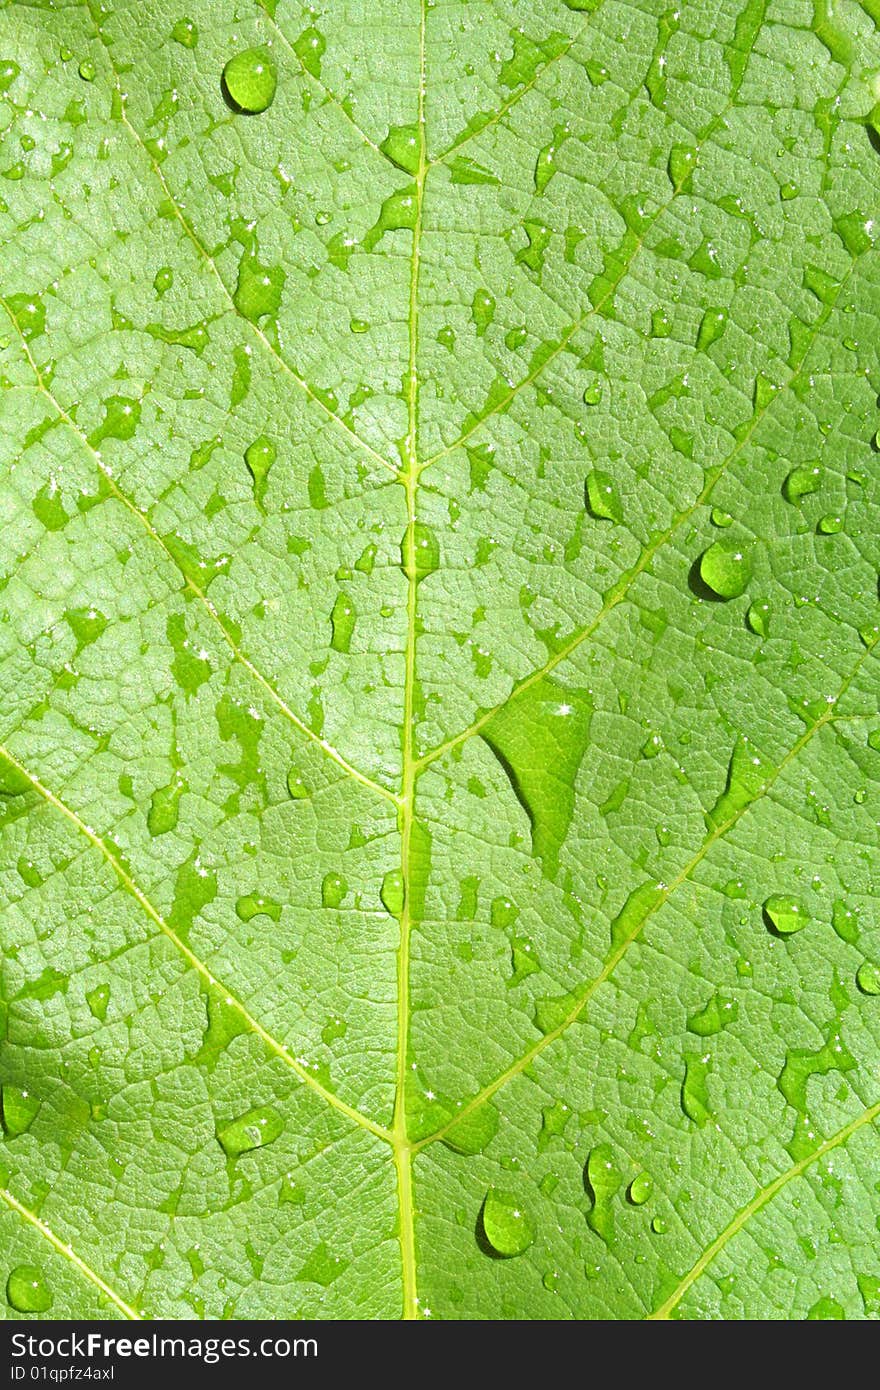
(439, 787)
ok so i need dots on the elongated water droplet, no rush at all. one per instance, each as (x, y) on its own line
(259, 458)
(505, 1224)
(296, 786)
(868, 978)
(121, 418)
(397, 214)
(27, 1290)
(259, 288)
(29, 313)
(249, 81)
(333, 890)
(747, 775)
(602, 497)
(18, 1110)
(785, 914)
(13, 781)
(845, 922)
(310, 48)
(471, 1134)
(801, 482)
(601, 1180)
(640, 1189)
(694, 1090)
(712, 325)
(419, 551)
(321, 1267)
(342, 623)
(402, 145)
(640, 904)
(681, 165)
(253, 1130)
(163, 279)
(545, 166)
(165, 807)
(392, 892)
(726, 568)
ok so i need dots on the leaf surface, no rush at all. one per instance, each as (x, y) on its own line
(439, 589)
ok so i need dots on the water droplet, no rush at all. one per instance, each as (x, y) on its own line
(874, 740)
(784, 914)
(259, 458)
(13, 782)
(253, 1130)
(711, 1019)
(359, 326)
(310, 48)
(195, 338)
(255, 905)
(482, 310)
(163, 279)
(720, 518)
(661, 324)
(801, 482)
(658, 1226)
(601, 1180)
(186, 33)
(694, 1090)
(333, 890)
(397, 214)
(726, 568)
(402, 145)
(681, 166)
(640, 1189)
(830, 524)
(602, 497)
(826, 1309)
(249, 81)
(321, 1267)
(393, 891)
(18, 1110)
(505, 1224)
(86, 70)
(652, 746)
(98, 1000)
(868, 978)
(539, 737)
(29, 313)
(9, 70)
(845, 922)
(515, 337)
(640, 904)
(471, 1134)
(712, 325)
(592, 395)
(758, 617)
(165, 807)
(121, 418)
(259, 288)
(27, 1290)
(419, 551)
(296, 786)
(545, 166)
(342, 623)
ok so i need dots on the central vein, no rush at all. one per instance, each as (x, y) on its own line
(409, 477)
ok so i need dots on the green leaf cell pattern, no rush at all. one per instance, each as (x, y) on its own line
(439, 593)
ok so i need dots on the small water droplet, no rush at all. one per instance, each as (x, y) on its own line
(785, 914)
(712, 325)
(640, 1189)
(86, 70)
(333, 890)
(726, 568)
(868, 978)
(342, 623)
(419, 551)
(830, 524)
(393, 892)
(801, 482)
(694, 1090)
(163, 279)
(98, 1000)
(602, 497)
(253, 1130)
(249, 81)
(482, 311)
(592, 394)
(296, 786)
(720, 518)
(186, 32)
(658, 1226)
(255, 905)
(310, 48)
(402, 145)
(758, 617)
(681, 165)
(505, 1224)
(18, 1110)
(321, 1267)
(27, 1290)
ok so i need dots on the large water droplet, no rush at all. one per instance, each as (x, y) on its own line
(785, 914)
(747, 775)
(505, 1224)
(726, 568)
(758, 617)
(601, 1180)
(255, 905)
(18, 1110)
(253, 1130)
(249, 81)
(711, 1019)
(259, 458)
(801, 482)
(402, 145)
(539, 736)
(27, 1290)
